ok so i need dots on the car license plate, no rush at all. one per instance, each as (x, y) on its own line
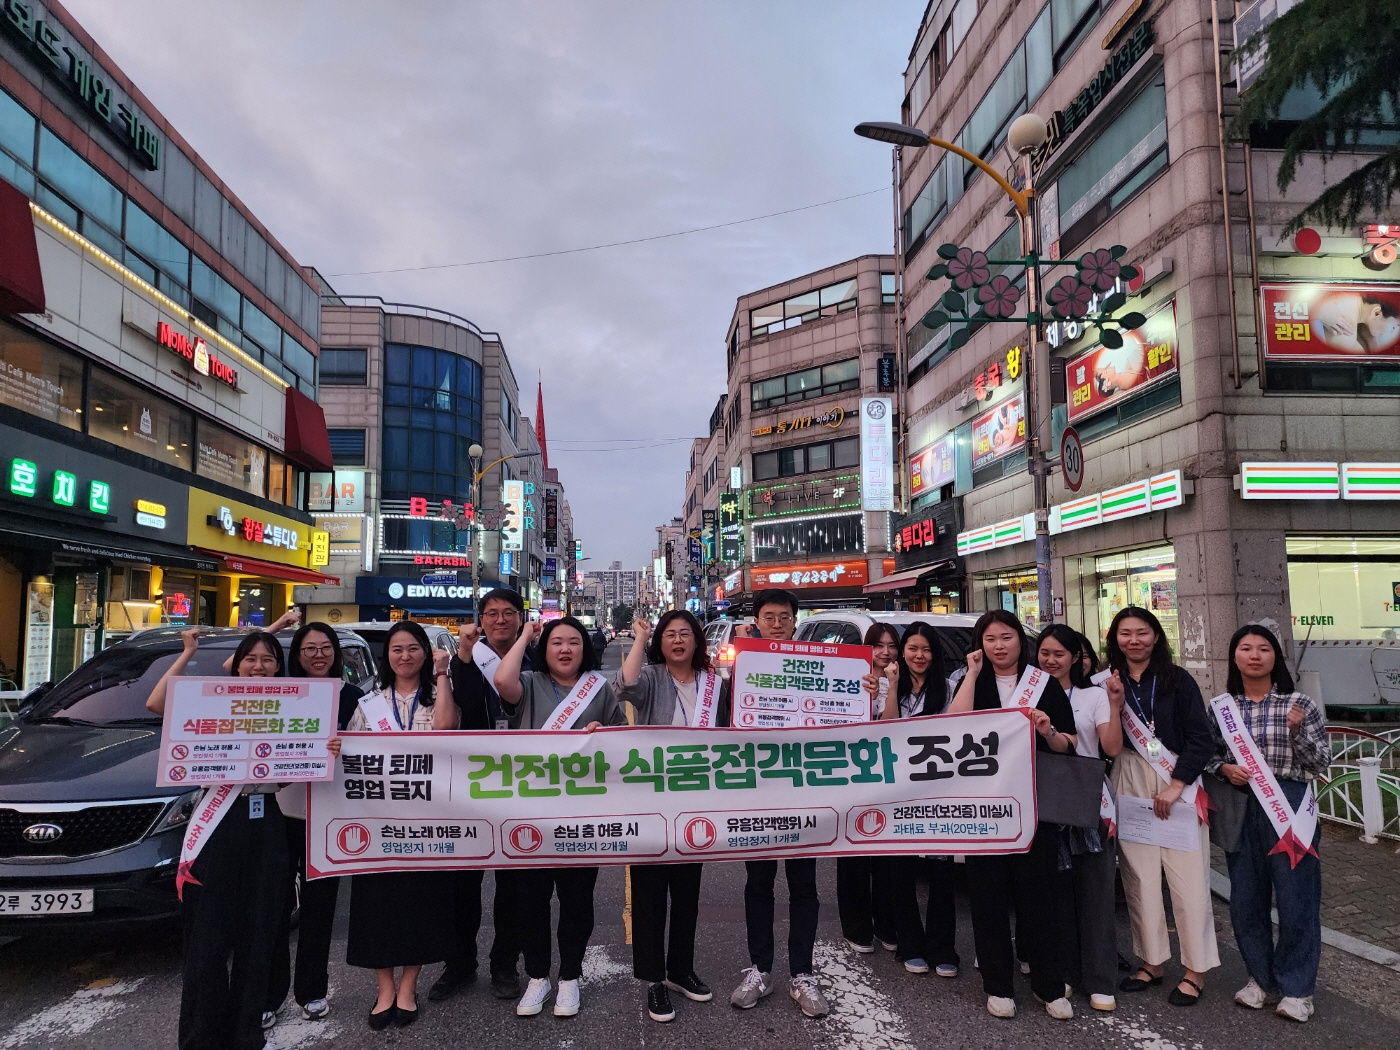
(45, 902)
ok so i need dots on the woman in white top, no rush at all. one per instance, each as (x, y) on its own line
(404, 918)
(1088, 931)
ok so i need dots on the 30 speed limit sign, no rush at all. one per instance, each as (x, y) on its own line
(1072, 459)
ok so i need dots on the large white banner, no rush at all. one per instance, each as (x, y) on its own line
(786, 684)
(960, 783)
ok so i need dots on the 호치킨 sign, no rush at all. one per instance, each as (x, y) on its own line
(790, 684)
(247, 730)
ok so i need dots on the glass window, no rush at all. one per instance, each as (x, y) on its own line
(344, 367)
(16, 129)
(443, 391)
(232, 459)
(262, 329)
(14, 173)
(807, 379)
(208, 209)
(1040, 58)
(838, 293)
(887, 288)
(136, 419)
(79, 181)
(791, 461)
(818, 458)
(1005, 100)
(1071, 20)
(156, 244)
(213, 290)
(765, 466)
(347, 447)
(846, 452)
(281, 487)
(299, 359)
(39, 378)
(841, 372)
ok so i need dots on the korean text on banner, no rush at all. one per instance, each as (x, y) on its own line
(785, 684)
(960, 783)
(876, 454)
(247, 730)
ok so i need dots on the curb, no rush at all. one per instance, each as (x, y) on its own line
(1220, 887)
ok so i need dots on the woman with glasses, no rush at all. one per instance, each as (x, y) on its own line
(676, 686)
(1168, 743)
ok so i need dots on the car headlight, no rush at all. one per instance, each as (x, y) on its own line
(179, 811)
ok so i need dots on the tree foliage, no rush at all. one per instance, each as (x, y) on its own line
(1349, 51)
(622, 617)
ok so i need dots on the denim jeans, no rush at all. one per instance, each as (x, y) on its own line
(1259, 881)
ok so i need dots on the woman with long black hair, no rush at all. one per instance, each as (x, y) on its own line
(404, 918)
(231, 893)
(997, 885)
(676, 686)
(565, 693)
(315, 653)
(1168, 745)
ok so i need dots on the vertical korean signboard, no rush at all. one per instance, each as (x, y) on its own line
(876, 454)
(709, 526)
(731, 533)
(512, 516)
(551, 518)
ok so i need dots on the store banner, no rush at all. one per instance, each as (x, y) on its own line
(341, 492)
(551, 518)
(786, 684)
(813, 574)
(1331, 322)
(449, 800)
(731, 530)
(999, 431)
(247, 730)
(1103, 376)
(512, 516)
(876, 453)
(934, 466)
(708, 538)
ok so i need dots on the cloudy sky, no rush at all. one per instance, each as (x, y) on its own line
(370, 136)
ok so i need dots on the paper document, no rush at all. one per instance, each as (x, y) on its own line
(1137, 823)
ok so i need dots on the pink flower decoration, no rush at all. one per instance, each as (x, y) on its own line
(968, 269)
(1099, 269)
(999, 296)
(1069, 298)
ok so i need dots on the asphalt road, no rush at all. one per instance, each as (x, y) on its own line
(121, 992)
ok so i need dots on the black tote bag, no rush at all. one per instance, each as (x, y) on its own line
(1068, 788)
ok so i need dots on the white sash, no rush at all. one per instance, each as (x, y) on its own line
(379, 713)
(211, 808)
(1295, 830)
(706, 696)
(1108, 809)
(1165, 761)
(1029, 689)
(486, 660)
(569, 709)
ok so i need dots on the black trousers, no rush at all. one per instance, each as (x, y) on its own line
(230, 929)
(1088, 928)
(803, 907)
(653, 960)
(1025, 882)
(932, 936)
(318, 899)
(864, 898)
(535, 887)
(505, 944)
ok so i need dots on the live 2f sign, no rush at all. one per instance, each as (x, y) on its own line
(876, 454)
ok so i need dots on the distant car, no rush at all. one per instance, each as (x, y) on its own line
(848, 627)
(719, 641)
(376, 632)
(86, 837)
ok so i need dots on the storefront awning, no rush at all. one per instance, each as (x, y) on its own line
(87, 543)
(908, 578)
(308, 442)
(21, 280)
(273, 571)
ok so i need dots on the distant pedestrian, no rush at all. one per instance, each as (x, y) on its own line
(1284, 730)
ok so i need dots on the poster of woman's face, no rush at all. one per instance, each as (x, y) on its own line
(1313, 322)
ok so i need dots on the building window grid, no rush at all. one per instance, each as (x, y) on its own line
(809, 383)
(803, 308)
(432, 415)
(797, 460)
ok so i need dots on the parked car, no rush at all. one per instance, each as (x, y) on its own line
(86, 837)
(376, 631)
(848, 627)
(719, 639)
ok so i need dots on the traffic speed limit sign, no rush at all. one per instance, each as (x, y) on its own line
(1072, 459)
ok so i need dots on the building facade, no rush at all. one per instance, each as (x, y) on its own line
(157, 395)
(620, 587)
(1240, 447)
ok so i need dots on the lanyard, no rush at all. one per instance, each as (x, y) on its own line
(1148, 713)
(680, 694)
(395, 706)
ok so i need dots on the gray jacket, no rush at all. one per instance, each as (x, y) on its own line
(539, 696)
(653, 697)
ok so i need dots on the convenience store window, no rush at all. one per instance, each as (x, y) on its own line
(1142, 578)
(1343, 587)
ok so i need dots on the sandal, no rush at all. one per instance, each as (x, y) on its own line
(1136, 983)
(1180, 998)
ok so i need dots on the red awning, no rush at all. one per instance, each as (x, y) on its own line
(308, 443)
(21, 282)
(908, 578)
(272, 570)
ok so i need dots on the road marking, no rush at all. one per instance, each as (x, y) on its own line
(861, 1015)
(293, 1029)
(598, 967)
(77, 1015)
(1140, 1036)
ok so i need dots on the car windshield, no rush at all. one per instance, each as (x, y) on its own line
(113, 687)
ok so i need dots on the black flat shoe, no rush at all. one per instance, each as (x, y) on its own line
(404, 1017)
(1136, 983)
(1180, 998)
(450, 983)
(383, 1019)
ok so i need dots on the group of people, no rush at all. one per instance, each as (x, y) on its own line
(1148, 719)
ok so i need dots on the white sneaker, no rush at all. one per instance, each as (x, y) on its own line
(536, 995)
(916, 965)
(1252, 996)
(887, 945)
(1060, 1009)
(858, 948)
(316, 1009)
(808, 996)
(1106, 1003)
(566, 1002)
(755, 985)
(946, 969)
(1295, 1008)
(1001, 1006)
(269, 1018)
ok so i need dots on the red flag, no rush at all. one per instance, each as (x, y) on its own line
(539, 425)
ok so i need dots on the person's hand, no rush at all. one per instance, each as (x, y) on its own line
(291, 617)
(189, 637)
(871, 684)
(441, 659)
(1237, 775)
(1042, 723)
(1295, 719)
(533, 630)
(1114, 688)
(1164, 799)
(467, 635)
(892, 676)
(641, 629)
(974, 662)
(333, 746)
(592, 726)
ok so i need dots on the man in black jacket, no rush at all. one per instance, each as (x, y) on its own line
(501, 616)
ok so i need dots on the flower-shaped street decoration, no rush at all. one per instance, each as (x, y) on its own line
(999, 296)
(1069, 298)
(1099, 269)
(968, 269)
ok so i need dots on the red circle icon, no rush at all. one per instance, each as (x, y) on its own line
(353, 839)
(747, 700)
(747, 718)
(700, 833)
(809, 721)
(177, 773)
(179, 752)
(526, 838)
(810, 704)
(260, 771)
(263, 750)
(871, 822)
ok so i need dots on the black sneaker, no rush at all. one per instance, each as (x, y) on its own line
(691, 987)
(659, 1006)
(506, 984)
(452, 981)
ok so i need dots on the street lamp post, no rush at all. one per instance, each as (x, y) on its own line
(474, 453)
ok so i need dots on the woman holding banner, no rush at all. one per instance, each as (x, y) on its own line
(1272, 738)
(231, 882)
(568, 693)
(676, 686)
(403, 918)
(999, 884)
(1169, 742)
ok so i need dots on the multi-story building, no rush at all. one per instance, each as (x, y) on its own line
(669, 565)
(159, 349)
(1239, 445)
(621, 587)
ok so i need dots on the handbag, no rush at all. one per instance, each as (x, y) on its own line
(1230, 804)
(1068, 788)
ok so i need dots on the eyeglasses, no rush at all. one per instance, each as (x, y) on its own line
(776, 621)
(317, 650)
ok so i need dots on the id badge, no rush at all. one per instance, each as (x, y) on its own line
(255, 806)
(503, 723)
(1154, 748)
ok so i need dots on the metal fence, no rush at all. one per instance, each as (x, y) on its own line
(1362, 786)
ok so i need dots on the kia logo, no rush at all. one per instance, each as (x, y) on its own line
(42, 833)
